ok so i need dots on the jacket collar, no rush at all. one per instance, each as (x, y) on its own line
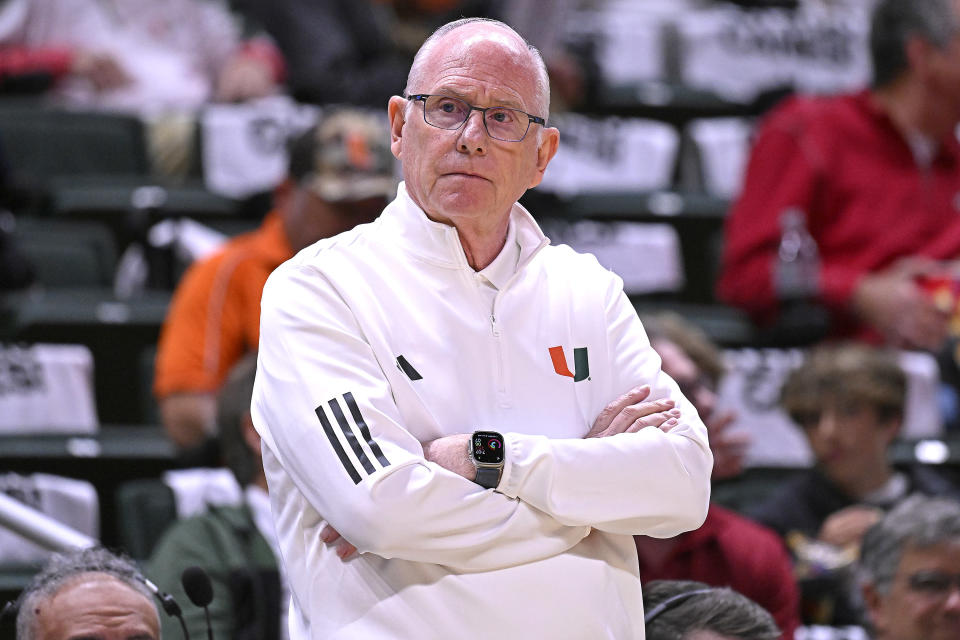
(439, 244)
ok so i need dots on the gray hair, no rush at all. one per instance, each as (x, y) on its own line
(541, 100)
(895, 22)
(720, 610)
(63, 568)
(918, 522)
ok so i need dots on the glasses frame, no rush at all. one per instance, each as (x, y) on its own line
(422, 99)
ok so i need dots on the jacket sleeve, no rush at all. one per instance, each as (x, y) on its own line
(648, 482)
(325, 411)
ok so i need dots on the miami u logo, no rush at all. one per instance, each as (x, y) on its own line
(581, 364)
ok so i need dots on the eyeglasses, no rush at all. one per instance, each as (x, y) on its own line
(934, 583)
(501, 123)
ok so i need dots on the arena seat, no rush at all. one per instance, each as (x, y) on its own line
(41, 143)
(68, 254)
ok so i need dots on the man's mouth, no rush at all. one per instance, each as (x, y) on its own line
(465, 174)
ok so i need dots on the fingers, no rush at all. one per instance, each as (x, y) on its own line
(103, 70)
(924, 327)
(648, 414)
(345, 550)
(663, 420)
(342, 548)
(612, 410)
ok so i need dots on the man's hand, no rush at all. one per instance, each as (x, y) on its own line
(102, 69)
(189, 418)
(629, 413)
(243, 78)
(847, 526)
(343, 548)
(729, 448)
(893, 303)
(450, 452)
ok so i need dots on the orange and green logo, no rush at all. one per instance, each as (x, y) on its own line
(581, 364)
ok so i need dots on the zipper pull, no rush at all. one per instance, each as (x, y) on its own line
(493, 326)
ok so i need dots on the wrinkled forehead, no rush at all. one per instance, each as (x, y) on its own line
(486, 56)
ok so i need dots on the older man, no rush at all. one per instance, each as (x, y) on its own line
(690, 610)
(90, 593)
(877, 175)
(464, 405)
(910, 563)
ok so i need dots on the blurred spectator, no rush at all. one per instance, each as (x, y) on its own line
(688, 610)
(696, 364)
(149, 58)
(849, 400)
(910, 571)
(236, 546)
(875, 176)
(340, 174)
(727, 550)
(359, 52)
(350, 51)
(89, 593)
(572, 74)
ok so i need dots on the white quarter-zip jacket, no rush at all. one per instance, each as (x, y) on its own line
(384, 337)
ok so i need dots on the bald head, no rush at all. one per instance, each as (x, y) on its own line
(95, 605)
(466, 34)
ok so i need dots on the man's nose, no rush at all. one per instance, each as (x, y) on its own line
(473, 135)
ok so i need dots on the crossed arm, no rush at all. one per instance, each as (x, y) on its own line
(627, 414)
(415, 501)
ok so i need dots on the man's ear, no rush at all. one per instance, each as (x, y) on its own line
(283, 193)
(874, 604)
(891, 428)
(396, 111)
(918, 52)
(546, 149)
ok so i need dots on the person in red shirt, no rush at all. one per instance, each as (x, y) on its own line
(728, 550)
(877, 175)
(340, 175)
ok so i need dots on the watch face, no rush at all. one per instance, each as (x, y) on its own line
(488, 447)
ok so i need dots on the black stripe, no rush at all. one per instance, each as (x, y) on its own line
(364, 431)
(408, 369)
(332, 437)
(352, 439)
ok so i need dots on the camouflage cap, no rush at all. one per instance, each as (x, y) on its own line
(351, 157)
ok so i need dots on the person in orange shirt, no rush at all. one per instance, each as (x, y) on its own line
(340, 175)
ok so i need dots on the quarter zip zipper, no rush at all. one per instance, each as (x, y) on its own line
(503, 398)
(501, 369)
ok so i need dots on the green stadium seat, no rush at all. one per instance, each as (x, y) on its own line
(68, 254)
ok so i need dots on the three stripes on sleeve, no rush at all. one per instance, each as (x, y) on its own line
(355, 432)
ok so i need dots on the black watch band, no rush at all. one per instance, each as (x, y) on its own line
(488, 477)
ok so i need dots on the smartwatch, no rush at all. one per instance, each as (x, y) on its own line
(486, 451)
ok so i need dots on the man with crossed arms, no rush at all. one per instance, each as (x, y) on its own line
(462, 426)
